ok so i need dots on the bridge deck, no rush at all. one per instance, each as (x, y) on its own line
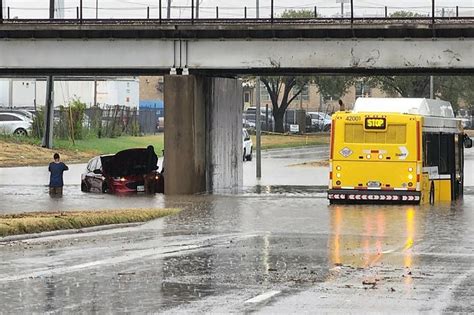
(240, 28)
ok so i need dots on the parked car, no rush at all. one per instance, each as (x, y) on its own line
(28, 113)
(248, 124)
(320, 121)
(247, 145)
(466, 118)
(249, 120)
(14, 123)
(123, 172)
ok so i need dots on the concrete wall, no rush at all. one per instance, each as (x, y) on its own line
(224, 118)
(185, 138)
(203, 134)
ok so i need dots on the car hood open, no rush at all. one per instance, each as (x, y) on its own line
(126, 163)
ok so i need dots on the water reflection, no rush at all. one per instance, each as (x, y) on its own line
(363, 236)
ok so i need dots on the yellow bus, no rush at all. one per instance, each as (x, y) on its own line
(396, 150)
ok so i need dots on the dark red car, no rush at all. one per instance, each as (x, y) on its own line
(123, 172)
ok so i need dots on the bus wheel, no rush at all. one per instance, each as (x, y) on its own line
(432, 193)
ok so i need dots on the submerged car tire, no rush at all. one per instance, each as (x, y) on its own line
(105, 189)
(20, 132)
(84, 187)
(249, 157)
(244, 159)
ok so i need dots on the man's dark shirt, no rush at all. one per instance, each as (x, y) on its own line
(56, 178)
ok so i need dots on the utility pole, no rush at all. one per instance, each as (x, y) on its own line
(258, 9)
(95, 91)
(10, 93)
(51, 9)
(96, 9)
(258, 128)
(49, 114)
(342, 6)
(168, 10)
(197, 8)
(431, 87)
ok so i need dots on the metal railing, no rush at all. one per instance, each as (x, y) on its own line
(269, 11)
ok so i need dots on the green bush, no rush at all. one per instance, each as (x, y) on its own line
(71, 120)
(38, 123)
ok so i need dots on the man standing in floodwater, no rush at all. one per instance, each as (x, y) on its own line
(150, 177)
(56, 183)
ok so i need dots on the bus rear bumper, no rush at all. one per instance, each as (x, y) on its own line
(374, 196)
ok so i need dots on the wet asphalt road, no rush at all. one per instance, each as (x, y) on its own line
(273, 248)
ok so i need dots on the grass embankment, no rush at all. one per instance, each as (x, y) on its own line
(24, 151)
(36, 222)
(20, 153)
(113, 145)
(17, 151)
(275, 141)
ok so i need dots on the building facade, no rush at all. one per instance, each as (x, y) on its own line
(28, 93)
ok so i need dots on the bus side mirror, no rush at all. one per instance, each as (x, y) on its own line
(467, 142)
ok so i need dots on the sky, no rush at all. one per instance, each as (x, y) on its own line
(228, 8)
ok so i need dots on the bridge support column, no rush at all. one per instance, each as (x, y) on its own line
(203, 134)
(49, 114)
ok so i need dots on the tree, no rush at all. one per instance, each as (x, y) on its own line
(284, 86)
(297, 14)
(404, 86)
(455, 89)
(333, 87)
(290, 87)
(404, 14)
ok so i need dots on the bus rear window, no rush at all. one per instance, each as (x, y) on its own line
(394, 134)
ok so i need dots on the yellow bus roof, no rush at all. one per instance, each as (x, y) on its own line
(416, 106)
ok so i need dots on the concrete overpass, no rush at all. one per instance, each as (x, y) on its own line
(205, 152)
(236, 46)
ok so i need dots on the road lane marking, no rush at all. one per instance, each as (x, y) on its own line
(262, 297)
(149, 253)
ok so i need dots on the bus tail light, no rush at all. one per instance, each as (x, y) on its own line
(362, 197)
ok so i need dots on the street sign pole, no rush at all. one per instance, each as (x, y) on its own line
(258, 128)
(342, 6)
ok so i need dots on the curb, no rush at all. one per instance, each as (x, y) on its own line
(22, 237)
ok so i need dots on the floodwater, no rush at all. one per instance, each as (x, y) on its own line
(277, 247)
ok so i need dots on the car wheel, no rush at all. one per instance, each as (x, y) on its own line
(20, 132)
(84, 187)
(249, 157)
(244, 156)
